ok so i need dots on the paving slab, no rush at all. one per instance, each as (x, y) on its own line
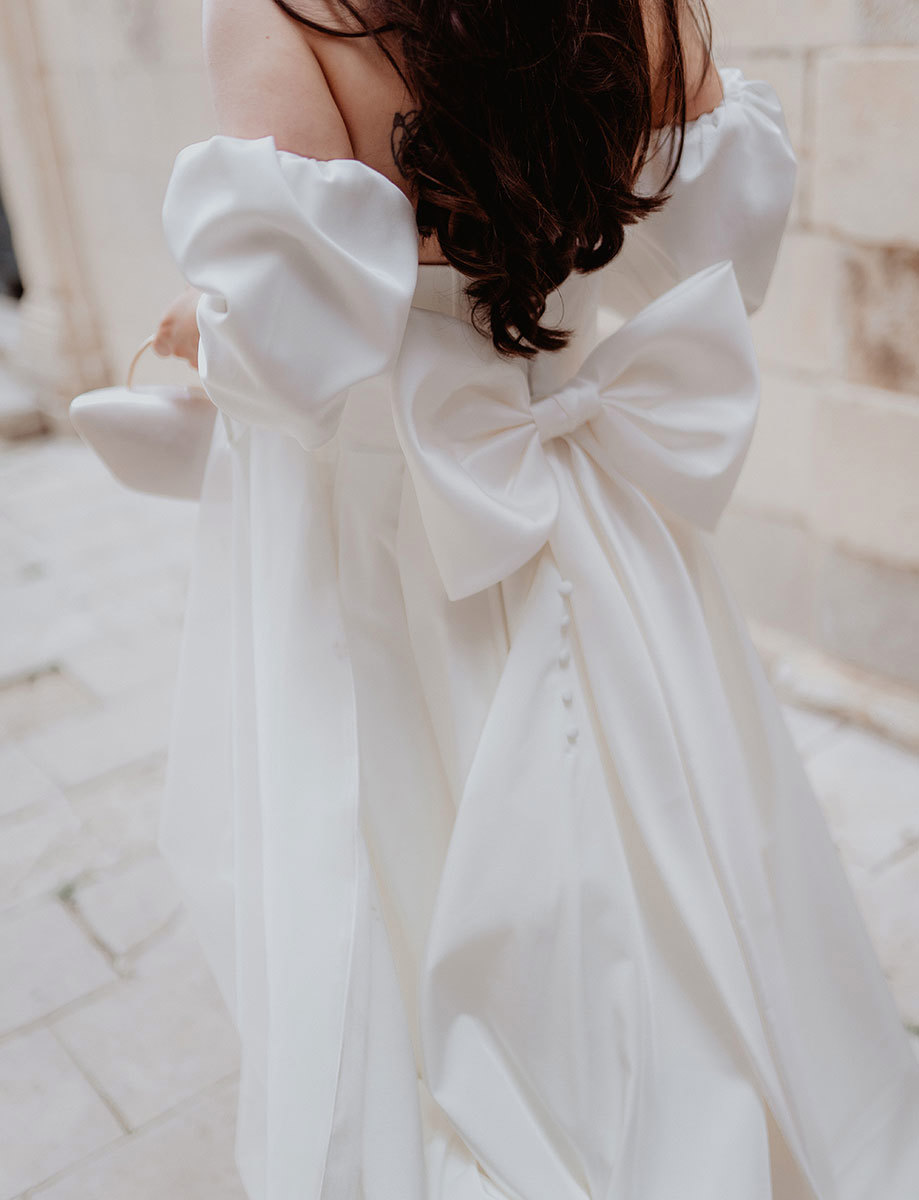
(48, 961)
(111, 665)
(153, 1041)
(120, 810)
(29, 840)
(189, 1156)
(125, 907)
(78, 748)
(92, 583)
(38, 699)
(50, 1117)
(40, 622)
(22, 784)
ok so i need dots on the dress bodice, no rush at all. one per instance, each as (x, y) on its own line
(309, 270)
(440, 289)
(736, 160)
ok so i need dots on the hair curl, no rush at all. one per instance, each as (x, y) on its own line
(531, 125)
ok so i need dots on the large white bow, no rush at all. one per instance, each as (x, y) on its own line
(667, 403)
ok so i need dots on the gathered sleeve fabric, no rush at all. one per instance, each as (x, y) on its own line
(729, 199)
(307, 270)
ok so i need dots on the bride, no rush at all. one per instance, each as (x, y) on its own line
(481, 803)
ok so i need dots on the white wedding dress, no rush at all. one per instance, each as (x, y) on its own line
(484, 811)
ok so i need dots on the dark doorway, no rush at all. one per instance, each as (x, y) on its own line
(10, 282)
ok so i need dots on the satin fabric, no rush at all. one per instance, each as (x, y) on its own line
(482, 806)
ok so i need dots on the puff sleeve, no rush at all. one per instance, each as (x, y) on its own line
(730, 199)
(307, 269)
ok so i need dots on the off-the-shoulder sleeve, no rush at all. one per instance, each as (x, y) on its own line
(307, 269)
(729, 199)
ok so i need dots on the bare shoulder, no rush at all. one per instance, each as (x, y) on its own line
(703, 83)
(266, 78)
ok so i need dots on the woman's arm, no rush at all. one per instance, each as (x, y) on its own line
(266, 79)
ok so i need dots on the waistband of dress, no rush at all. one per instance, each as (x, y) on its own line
(367, 422)
(441, 288)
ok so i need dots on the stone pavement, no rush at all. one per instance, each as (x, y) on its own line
(117, 1061)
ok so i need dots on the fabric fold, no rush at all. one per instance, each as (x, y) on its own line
(295, 257)
(730, 199)
(489, 826)
(667, 402)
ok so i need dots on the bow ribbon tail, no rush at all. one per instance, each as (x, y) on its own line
(677, 762)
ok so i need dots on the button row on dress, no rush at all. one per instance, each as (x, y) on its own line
(565, 588)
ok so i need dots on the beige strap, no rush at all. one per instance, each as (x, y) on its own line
(148, 342)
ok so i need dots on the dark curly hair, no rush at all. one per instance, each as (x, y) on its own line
(530, 125)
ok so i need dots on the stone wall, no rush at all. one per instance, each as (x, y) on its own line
(96, 99)
(822, 539)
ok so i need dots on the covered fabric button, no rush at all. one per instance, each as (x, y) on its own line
(567, 697)
(565, 587)
(572, 735)
(564, 657)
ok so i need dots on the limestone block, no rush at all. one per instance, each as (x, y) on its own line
(866, 169)
(772, 566)
(869, 793)
(783, 23)
(185, 112)
(798, 325)
(80, 111)
(777, 477)
(155, 1040)
(47, 962)
(125, 907)
(880, 312)
(49, 1114)
(111, 33)
(187, 1156)
(866, 451)
(127, 268)
(868, 614)
(130, 115)
(888, 21)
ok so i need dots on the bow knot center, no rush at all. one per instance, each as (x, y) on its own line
(564, 411)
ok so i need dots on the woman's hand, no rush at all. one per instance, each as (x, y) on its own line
(178, 329)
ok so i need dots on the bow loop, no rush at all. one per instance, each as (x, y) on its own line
(666, 404)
